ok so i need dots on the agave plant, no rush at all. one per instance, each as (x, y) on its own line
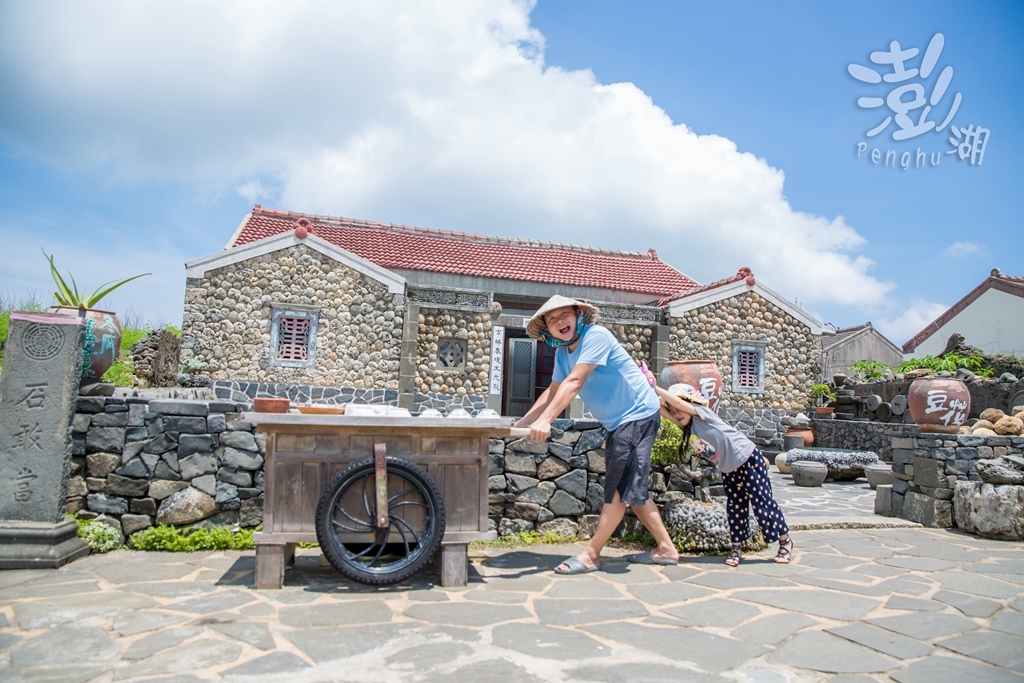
(70, 296)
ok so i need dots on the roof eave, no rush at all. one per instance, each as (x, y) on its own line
(716, 294)
(199, 267)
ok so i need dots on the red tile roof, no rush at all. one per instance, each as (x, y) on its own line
(742, 274)
(443, 251)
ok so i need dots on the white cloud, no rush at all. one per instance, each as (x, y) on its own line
(441, 115)
(962, 249)
(901, 327)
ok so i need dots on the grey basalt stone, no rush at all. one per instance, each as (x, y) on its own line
(540, 494)
(564, 505)
(194, 443)
(560, 451)
(197, 465)
(161, 443)
(101, 502)
(135, 468)
(241, 460)
(574, 483)
(216, 423)
(179, 407)
(125, 486)
(206, 483)
(518, 483)
(590, 440)
(521, 464)
(184, 425)
(110, 439)
(241, 440)
(235, 477)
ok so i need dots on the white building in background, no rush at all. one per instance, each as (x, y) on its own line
(990, 318)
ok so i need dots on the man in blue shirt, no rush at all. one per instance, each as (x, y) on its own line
(590, 363)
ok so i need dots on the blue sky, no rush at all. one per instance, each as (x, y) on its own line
(135, 136)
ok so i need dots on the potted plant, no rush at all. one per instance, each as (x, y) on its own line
(823, 394)
(102, 328)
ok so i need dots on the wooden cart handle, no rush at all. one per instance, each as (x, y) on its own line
(520, 432)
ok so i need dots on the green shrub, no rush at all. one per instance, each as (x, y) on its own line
(101, 537)
(172, 539)
(864, 370)
(823, 391)
(524, 538)
(950, 362)
(122, 372)
(666, 446)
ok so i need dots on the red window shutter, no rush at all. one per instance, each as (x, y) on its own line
(746, 371)
(293, 339)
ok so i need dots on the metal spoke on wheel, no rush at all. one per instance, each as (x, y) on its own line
(349, 522)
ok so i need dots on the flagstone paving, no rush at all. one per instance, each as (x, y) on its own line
(867, 598)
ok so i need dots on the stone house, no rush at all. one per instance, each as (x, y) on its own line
(860, 342)
(340, 310)
(990, 317)
(333, 310)
(767, 348)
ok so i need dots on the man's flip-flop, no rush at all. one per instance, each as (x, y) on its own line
(650, 558)
(576, 566)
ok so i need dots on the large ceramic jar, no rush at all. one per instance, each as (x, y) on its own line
(701, 374)
(102, 339)
(939, 404)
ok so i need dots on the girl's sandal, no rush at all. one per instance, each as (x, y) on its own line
(734, 557)
(785, 553)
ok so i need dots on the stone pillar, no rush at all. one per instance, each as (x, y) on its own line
(407, 366)
(38, 393)
(660, 349)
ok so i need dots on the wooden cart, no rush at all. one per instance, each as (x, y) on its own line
(321, 485)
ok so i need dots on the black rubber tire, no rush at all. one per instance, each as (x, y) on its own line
(373, 560)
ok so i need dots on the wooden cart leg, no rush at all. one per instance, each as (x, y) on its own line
(270, 561)
(455, 564)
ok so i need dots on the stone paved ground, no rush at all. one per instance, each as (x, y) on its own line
(899, 603)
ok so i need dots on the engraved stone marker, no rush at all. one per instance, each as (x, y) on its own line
(38, 392)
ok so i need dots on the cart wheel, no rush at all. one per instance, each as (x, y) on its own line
(346, 522)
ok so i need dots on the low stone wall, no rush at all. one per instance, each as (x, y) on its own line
(928, 468)
(151, 461)
(857, 435)
(145, 461)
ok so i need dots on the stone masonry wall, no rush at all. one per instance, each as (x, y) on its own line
(926, 468)
(227, 321)
(792, 354)
(857, 435)
(147, 461)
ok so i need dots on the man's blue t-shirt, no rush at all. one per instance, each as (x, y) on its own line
(616, 390)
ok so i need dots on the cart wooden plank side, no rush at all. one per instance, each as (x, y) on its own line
(303, 453)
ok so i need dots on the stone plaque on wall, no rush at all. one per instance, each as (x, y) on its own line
(38, 392)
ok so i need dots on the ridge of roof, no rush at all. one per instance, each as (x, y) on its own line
(341, 221)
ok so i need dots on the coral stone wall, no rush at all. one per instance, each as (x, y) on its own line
(636, 339)
(227, 321)
(792, 360)
(470, 377)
